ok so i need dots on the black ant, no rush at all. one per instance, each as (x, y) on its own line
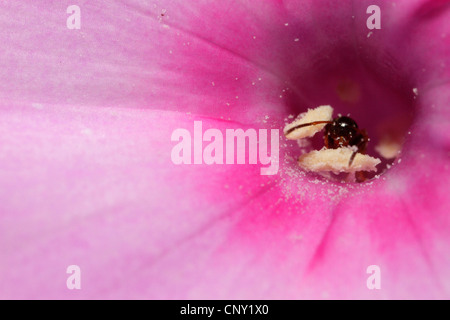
(341, 132)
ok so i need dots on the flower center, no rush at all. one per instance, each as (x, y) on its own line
(378, 98)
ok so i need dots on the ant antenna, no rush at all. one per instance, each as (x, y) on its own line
(364, 134)
(305, 125)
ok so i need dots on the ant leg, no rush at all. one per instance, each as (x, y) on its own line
(360, 176)
(361, 145)
(305, 125)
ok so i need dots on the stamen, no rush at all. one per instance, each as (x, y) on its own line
(319, 114)
(388, 149)
(336, 160)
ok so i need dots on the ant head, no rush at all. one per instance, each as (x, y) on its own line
(340, 132)
(342, 127)
(345, 122)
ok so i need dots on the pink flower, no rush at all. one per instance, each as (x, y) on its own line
(86, 176)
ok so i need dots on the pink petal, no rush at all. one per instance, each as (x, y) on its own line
(96, 187)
